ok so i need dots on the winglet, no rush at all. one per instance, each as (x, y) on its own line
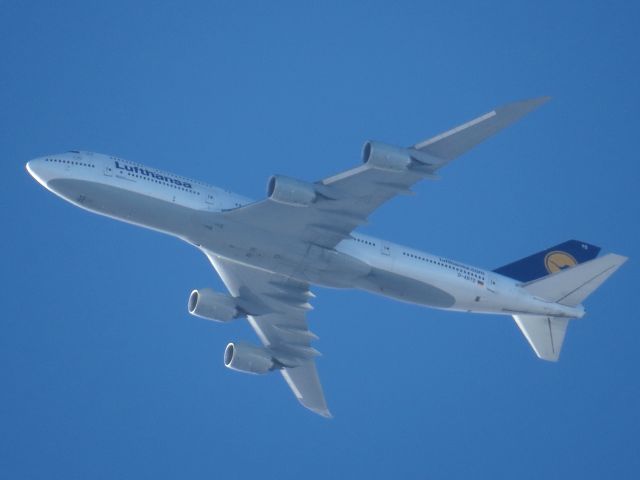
(458, 140)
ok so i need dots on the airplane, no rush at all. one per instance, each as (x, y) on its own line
(270, 252)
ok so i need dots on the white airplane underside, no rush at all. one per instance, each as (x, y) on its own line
(269, 253)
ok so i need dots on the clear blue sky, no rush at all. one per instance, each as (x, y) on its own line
(103, 374)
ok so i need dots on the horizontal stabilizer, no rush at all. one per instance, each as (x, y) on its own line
(572, 285)
(544, 334)
(453, 143)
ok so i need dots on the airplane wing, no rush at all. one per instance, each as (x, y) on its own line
(344, 201)
(279, 305)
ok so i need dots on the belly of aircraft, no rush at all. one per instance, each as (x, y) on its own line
(406, 289)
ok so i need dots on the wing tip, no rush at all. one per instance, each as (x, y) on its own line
(541, 100)
(538, 101)
(458, 140)
(525, 106)
(320, 408)
(323, 412)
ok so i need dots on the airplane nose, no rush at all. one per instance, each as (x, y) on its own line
(38, 170)
(32, 168)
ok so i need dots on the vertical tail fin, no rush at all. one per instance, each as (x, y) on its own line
(567, 287)
(541, 264)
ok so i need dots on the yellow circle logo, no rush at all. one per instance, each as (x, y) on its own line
(556, 261)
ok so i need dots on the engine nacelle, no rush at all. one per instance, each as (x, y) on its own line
(247, 358)
(211, 305)
(389, 157)
(291, 191)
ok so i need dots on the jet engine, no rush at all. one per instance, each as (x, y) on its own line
(389, 157)
(211, 305)
(291, 191)
(247, 358)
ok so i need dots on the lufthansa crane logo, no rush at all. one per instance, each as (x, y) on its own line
(556, 261)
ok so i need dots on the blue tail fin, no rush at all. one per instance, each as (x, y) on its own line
(551, 260)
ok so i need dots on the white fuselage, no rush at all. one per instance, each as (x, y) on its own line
(194, 212)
